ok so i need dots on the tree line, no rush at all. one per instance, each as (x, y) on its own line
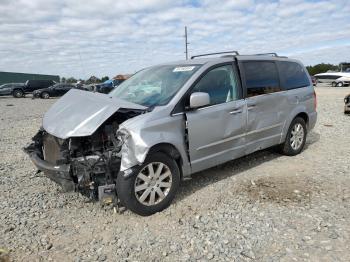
(90, 80)
(322, 68)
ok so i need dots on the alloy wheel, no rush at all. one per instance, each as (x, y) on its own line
(153, 183)
(18, 94)
(297, 136)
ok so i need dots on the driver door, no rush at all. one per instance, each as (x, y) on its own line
(60, 90)
(216, 133)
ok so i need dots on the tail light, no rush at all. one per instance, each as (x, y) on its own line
(315, 100)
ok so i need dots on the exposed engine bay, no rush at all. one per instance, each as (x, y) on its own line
(87, 164)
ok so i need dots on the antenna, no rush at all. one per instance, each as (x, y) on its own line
(186, 43)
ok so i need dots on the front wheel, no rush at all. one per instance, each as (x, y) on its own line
(45, 95)
(334, 84)
(296, 138)
(18, 93)
(152, 187)
(340, 84)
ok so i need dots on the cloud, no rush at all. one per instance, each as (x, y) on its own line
(107, 37)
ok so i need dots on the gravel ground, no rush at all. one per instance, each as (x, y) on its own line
(263, 207)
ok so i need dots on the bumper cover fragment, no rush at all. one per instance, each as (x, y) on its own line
(58, 173)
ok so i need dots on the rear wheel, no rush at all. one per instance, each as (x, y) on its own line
(334, 84)
(296, 138)
(18, 93)
(45, 95)
(152, 187)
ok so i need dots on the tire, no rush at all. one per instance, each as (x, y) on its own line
(290, 149)
(340, 84)
(334, 84)
(18, 93)
(140, 201)
(45, 95)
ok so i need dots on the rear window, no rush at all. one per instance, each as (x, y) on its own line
(261, 78)
(293, 75)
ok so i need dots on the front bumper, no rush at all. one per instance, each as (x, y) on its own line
(58, 173)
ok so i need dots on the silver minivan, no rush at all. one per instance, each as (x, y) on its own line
(133, 146)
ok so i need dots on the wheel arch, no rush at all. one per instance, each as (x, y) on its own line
(304, 116)
(15, 89)
(300, 113)
(171, 151)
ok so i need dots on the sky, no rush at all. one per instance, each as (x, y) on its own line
(81, 38)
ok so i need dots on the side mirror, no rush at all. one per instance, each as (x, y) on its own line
(199, 99)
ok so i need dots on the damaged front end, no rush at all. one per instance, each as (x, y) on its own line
(88, 164)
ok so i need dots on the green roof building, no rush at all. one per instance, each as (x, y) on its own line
(11, 77)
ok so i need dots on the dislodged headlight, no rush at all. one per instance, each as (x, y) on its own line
(123, 135)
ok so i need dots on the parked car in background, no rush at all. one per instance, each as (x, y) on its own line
(12, 89)
(314, 80)
(30, 86)
(54, 91)
(134, 145)
(107, 86)
(91, 87)
(342, 81)
(347, 104)
(330, 77)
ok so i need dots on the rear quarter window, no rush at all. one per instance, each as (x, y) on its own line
(293, 75)
(261, 77)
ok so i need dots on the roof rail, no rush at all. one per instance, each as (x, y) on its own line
(271, 54)
(223, 56)
(218, 53)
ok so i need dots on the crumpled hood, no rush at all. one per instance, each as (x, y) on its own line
(80, 113)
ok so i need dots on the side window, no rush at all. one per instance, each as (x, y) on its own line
(328, 77)
(220, 83)
(293, 75)
(261, 78)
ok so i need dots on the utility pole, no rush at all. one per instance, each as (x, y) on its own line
(186, 43)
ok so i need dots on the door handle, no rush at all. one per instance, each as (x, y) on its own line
(236, 111)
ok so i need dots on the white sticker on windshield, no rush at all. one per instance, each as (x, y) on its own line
(183, 68)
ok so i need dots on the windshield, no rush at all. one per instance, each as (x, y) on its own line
(154, 86)
(55, 86)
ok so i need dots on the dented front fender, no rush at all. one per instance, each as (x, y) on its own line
(145, 132)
